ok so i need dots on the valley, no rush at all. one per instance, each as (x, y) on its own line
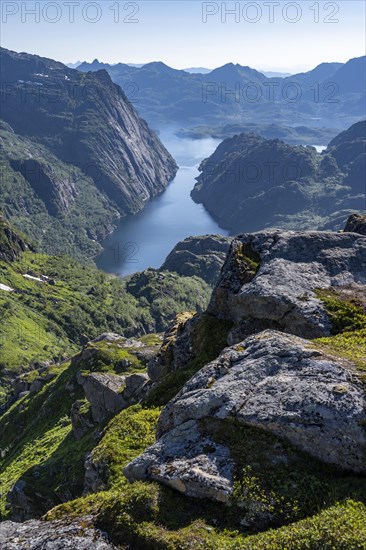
(182, 307)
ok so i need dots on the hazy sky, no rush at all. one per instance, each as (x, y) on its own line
(278, 35)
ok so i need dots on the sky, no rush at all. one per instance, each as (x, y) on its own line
(267, 35)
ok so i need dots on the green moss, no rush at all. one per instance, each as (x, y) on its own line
(350, 345)
(347, 311)
(275, 483)
(345, 308)
(247, 262)
(43, 321)
(42, 451)
(148, 515)
(126, 435)
(111, 357)
(209, 338)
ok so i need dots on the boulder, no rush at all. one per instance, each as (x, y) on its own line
(275, 382)
(53, 535)
(270, 280)
(186, 461)
(103, 391)
(134, 385)
(356, 224)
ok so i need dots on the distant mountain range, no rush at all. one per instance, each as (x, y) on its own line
(192, 70)
(75, 155)
(250, 183)
(331, 95)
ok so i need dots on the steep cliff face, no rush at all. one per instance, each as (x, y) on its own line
(87, 122)
(250, 183)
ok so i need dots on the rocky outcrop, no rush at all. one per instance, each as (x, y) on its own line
(356, 224)
(176, 349)
(24, 503)
(58, 192)
(11, 244)
(81, 420)
(250, 183)
(270, 280)
(188, 462)
(272, 381)
(109, 393)
(102, 390)
(200, 256)
(53, 535)
(32, 381)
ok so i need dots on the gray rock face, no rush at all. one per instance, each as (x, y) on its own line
(200, 256)
(55, 535)
(188, 462)
(281, 295)
(356, 224)
(102, 390)
(176, 350)
(130, 162)
(80, 421)
(107, 394)
(273, 381)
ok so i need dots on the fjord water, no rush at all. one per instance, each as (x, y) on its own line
(144, 240)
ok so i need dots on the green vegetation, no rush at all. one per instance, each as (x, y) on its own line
(247, 262)
(43, 451)
(347, 311)
(345, 307)
(49, 320)
(58, 229)
(209, 338)
(267, 492)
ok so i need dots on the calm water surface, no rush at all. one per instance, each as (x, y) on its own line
(145, 239)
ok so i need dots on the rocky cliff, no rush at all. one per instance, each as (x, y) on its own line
(88, 124)
(250, 183)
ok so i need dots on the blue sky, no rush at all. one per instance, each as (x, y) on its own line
(273, 35)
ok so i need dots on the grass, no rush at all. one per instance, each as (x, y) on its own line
(209, 338)
(299, 499)
(43, 451)
(347, 311)
(43, 321)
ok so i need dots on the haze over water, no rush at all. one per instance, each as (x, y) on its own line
(145, 239)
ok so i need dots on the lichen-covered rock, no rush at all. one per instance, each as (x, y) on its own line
(187, 462)
(176, 349)
(103, 391)
(356, 224)
(107, 394)
(272, 381)
(270, 280)
(56, 535)
(81, 420)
